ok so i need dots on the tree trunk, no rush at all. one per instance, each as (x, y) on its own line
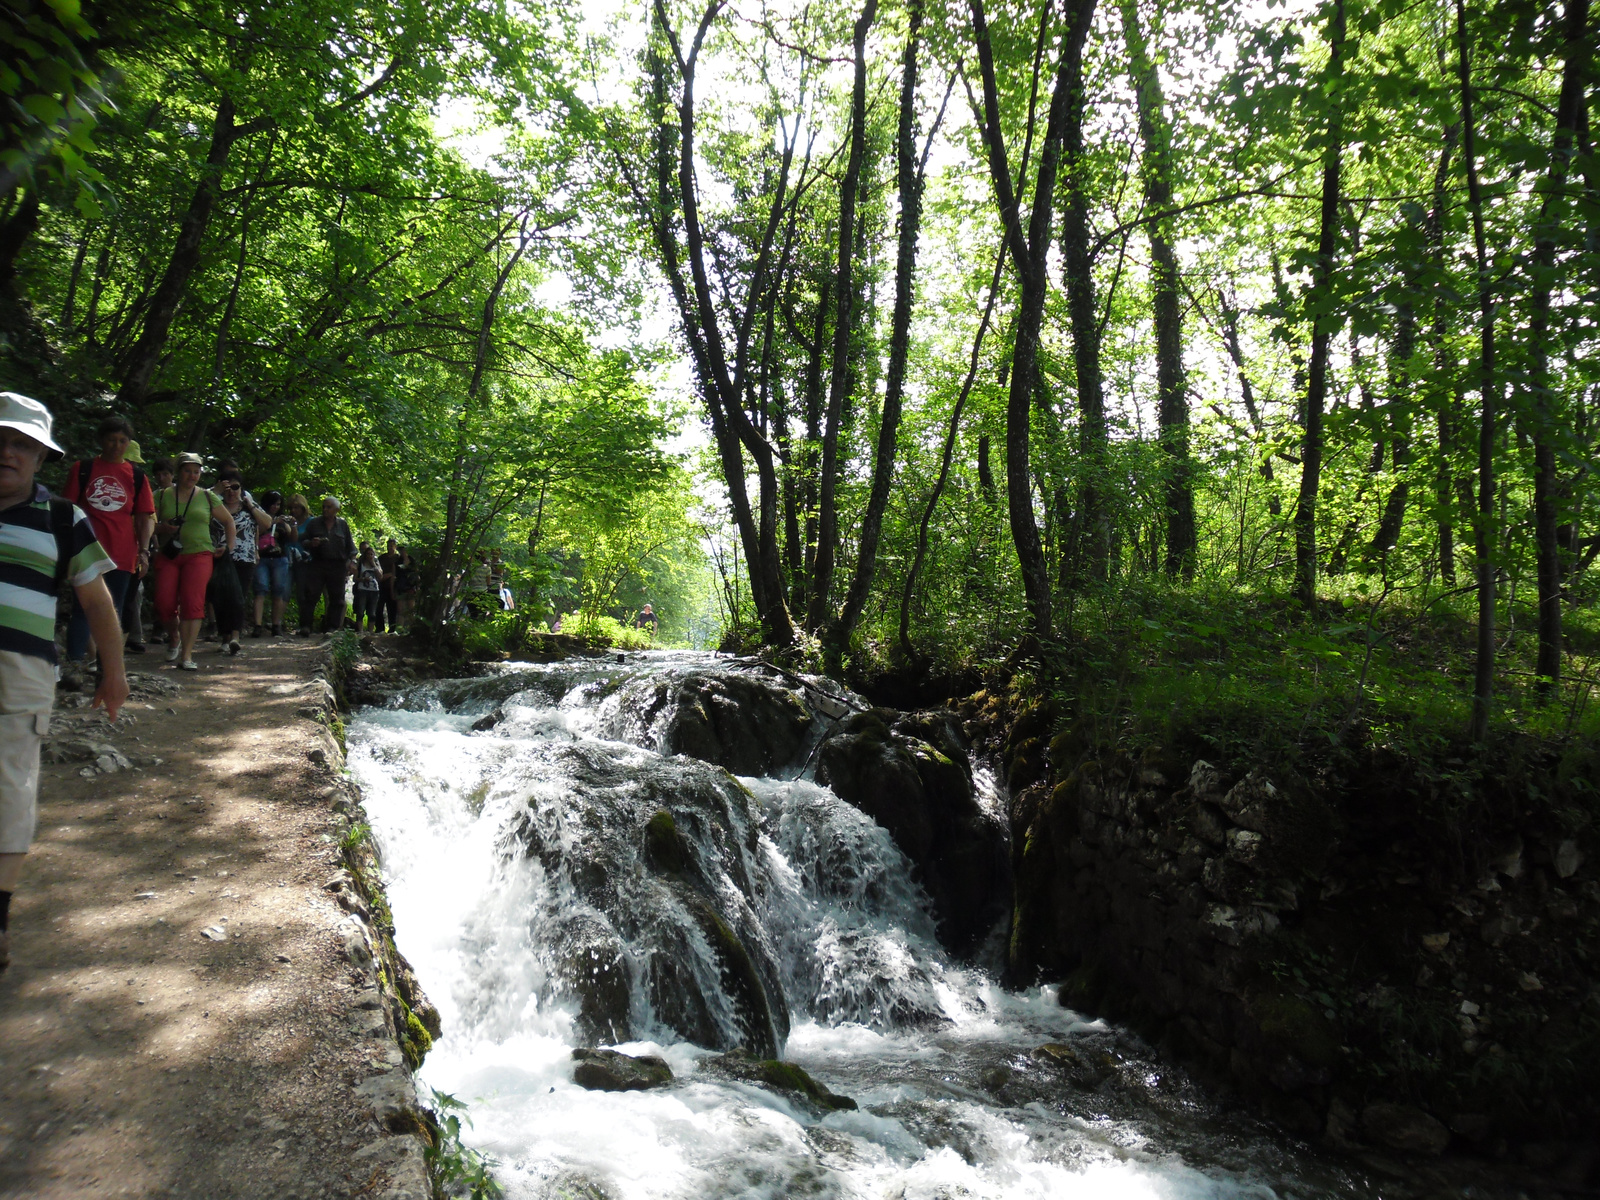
(140, 363)
(1029, 250)
(1546, 482)
(1442, 385)
(15, 232)
(1077, 269)
(1167, 314)
(839, 378)
(1483, 536)
(1305, 513)
(909, 181)
(723, 389)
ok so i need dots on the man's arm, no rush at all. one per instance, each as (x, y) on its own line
(144, 529)
(106, 629)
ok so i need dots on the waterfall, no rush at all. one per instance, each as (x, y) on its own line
(639, 854)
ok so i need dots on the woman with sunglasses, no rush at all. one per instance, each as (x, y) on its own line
(229, 596)
(184, 515)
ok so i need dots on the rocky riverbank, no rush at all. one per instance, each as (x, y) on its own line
(1396, 956)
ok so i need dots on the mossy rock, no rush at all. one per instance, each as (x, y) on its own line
(1293, 1025)
(778, 1075)
(663, 845)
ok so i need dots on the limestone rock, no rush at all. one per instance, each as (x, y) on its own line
(611, 1071)
(779, 1076)
(1204, 779)
(911, 774)
(748, 721)
(1404, 1128)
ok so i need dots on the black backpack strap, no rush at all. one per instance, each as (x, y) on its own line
(85, 468)
(63, 515)
(138, 484)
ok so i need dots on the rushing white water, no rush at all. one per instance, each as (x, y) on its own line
(953, 1101)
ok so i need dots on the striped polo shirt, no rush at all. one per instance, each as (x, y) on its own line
(28, 573)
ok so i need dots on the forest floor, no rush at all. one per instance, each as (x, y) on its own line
(178, 1019)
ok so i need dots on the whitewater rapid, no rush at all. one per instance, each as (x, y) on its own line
(953, 1100)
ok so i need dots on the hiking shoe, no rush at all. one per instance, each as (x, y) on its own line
(233, 647)
(188, 664)
(134, 648)
(174, 653)
(255, 631)
(302, 633)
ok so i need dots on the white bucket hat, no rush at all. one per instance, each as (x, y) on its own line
(27, 415)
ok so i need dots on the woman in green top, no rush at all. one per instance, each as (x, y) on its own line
(184, 513)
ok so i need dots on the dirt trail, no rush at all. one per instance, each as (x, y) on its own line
(180, 1018)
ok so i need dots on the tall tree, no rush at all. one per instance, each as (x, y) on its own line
(1319, 306)
(844, 291)
(1553, 207)
(1172, 391)
(1483, 525)
(908, 178)
(1029, 248)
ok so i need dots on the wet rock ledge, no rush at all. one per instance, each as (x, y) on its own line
(1397, 959)
(392, 1007)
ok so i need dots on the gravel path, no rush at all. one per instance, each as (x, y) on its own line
(181, 1018)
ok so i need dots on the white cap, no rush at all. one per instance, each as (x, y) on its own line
(27, 415)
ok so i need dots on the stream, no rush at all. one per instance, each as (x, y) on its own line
(546, 902)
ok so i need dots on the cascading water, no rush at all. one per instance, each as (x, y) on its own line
(563, 873)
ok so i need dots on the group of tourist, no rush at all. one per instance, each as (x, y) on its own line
(207, 549)
(216, 547)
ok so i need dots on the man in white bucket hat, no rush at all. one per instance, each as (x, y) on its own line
(43, 543)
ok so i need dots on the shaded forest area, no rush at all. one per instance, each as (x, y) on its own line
(1201, 397)
(1222, 358)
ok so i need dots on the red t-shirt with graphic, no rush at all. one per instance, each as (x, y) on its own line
(110, 504)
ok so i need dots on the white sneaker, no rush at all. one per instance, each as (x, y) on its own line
(188, 664)
(174, 653)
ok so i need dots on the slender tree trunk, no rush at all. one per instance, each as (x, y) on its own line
(1077, 269)
(1483, 533)
(140, 363)
(1029, 250)
(1165, 300)
(1400, 385)
(452, 554)
(909, 180)
(839, 378)
(1442, 387)
(1305, 513)
(723, 385)
(15, 231)
(984, 477)
(1546, 481)
(70, 303)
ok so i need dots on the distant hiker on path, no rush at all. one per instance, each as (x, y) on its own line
(42, 542)
(274, 543)
(333, 561)
(184, 563)
(647, 620)
(117, 497)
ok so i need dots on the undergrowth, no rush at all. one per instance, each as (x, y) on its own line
(455, 1169)
(1257, 679)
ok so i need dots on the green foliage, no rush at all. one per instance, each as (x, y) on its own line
(344, 645)
(455, 1169)
(354, 837)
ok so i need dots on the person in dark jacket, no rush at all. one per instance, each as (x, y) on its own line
(333, 560)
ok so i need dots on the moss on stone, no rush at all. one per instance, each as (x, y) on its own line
(663, 844)
(1295, 1026)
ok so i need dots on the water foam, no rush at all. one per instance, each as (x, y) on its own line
(937, 1054)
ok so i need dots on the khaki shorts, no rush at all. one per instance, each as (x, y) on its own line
(27, 693)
